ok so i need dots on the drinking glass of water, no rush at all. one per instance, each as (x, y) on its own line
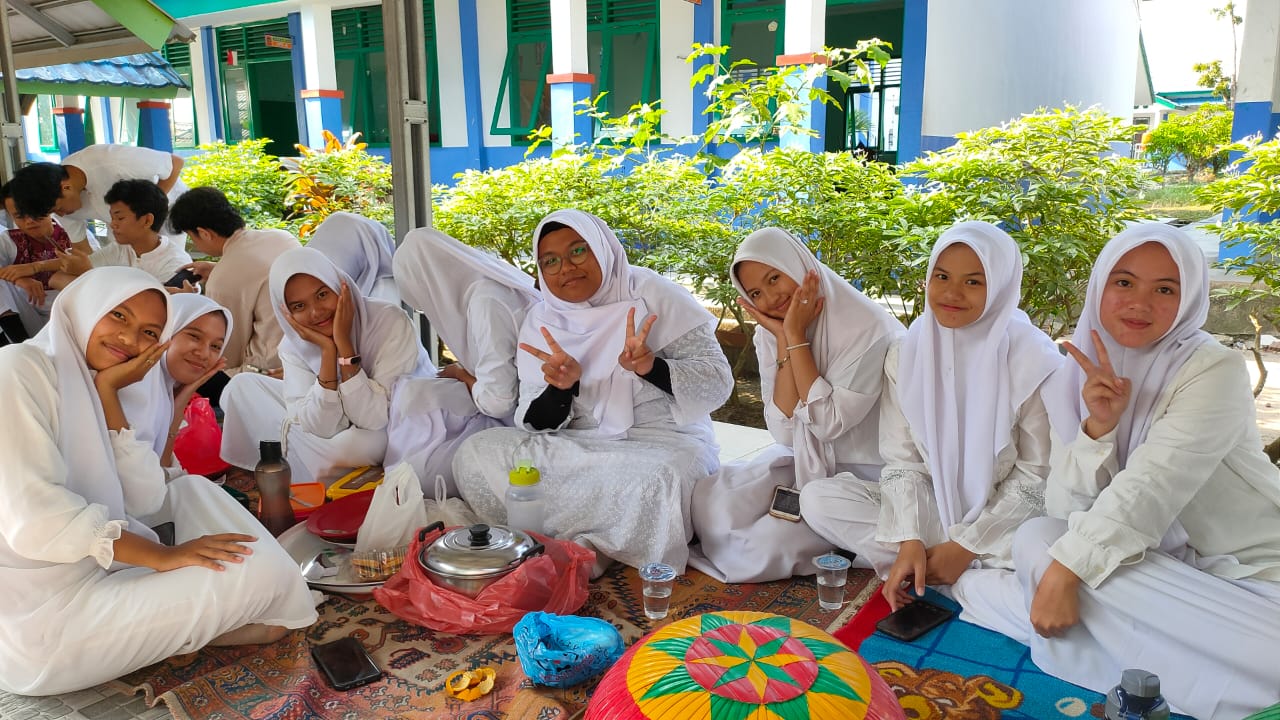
(833, 571)
(657, 580)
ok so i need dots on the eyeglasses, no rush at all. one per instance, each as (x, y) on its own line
(552, 264)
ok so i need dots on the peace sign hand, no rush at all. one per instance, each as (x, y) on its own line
(1105, 393)
(559, 368)
(636, 357)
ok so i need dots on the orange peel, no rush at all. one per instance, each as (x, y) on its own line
(467, 685)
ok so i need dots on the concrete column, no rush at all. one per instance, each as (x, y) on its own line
(68, 118)
(154, 130)
(704, 31)
(569, 80)
(915, 24)
(806, 32)
(324, 112)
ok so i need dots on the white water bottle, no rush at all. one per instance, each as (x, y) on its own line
(526, 507)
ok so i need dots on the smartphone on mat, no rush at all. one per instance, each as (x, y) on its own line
(913, 620)
(786, 503)
(345, 663)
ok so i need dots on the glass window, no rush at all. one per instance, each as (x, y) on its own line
(235, 82)
(44, 121)
(182, 114)
(345, 68)
(378, 130)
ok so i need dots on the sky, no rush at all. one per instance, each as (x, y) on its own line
(1180, 33)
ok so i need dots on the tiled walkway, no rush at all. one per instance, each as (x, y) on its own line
(105, 702)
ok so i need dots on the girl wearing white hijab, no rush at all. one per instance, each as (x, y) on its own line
(821, 346)
(201, 329)
(619, 369)
(963, 430)
(1161, 548)
(363, 249)
(86, 592)
(475, 302)
(341, 353)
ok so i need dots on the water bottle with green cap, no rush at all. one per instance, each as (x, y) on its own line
(525, 505)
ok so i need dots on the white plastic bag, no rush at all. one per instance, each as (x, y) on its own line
(395, 512)
(450, 511)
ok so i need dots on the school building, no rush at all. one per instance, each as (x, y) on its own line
(499, 68)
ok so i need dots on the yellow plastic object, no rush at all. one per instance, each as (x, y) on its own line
(358, 480)
(524, 474)
(467, 685)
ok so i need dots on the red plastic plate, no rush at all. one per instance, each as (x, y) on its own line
(340, 520)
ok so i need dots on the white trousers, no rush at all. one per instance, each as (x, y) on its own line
(1215, 643)
(255, 411)
(112, 623)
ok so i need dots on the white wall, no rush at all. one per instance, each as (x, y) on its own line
(453, 100)
(989, 62)
(492, 16)
(675, 29)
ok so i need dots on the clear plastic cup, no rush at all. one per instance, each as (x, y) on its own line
(833, 572)
(657, 580)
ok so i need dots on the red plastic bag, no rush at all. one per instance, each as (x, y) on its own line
(199, 442)
(555, 582)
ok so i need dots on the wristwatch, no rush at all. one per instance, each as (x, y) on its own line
(354, 360)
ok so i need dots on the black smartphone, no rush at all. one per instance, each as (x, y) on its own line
(786, 503)
(165, 531)
(913, 620)
(184, 276)
(345, 663)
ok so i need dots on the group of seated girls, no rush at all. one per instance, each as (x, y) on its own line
(1112, 509)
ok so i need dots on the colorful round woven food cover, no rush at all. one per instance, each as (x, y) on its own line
(741, 666)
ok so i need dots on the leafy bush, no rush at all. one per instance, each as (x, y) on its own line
(1199, 138)
(1252, 193)
(340, 177)
(251, 179)
(1050, 179)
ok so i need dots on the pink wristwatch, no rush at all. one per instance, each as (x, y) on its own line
(353, 360)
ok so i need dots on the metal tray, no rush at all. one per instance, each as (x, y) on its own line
(304, 548)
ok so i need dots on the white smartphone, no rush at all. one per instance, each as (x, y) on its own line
(786, 503)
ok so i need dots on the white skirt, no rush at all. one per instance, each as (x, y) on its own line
(107, 624)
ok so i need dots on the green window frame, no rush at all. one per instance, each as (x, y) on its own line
(249, 41)
(185, 135)
(47, 129)
(357, 43)
(609, 24)
(735, 12)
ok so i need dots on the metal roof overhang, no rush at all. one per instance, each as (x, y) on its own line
(55, 32)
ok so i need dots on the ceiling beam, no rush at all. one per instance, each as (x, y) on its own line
(51, 26)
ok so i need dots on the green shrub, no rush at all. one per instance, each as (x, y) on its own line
(1253, 188)
(1051, 179)
(340, 177)
(251, 179)
(1199, 138)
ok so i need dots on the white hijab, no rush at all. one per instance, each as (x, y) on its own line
(1150, 368)
(438, 275)
(961, 389)
(361, 247)
(83, 437)
(593, 332)
(372, 326)
(850, 324)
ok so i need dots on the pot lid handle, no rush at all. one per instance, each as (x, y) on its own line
(479, 535)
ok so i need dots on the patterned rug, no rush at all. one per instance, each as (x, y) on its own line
(279, 681)
(959, 671)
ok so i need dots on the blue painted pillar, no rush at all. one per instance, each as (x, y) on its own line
(297, 58)
(816, 115)
(567, 90)
(108, 129)
(469, 27)
(915, 23)
(209, 55)
(704, 31)
(154, 130)
(69, 122)
(324, 112)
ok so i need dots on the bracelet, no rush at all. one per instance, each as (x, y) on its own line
(793, 347)
(783, 361)
(325, 384)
